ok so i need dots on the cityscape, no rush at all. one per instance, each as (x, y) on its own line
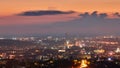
(59, 33)
(60, 52)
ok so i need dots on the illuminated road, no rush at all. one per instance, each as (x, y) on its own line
(83, 64)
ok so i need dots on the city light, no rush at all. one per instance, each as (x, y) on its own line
(83, 64)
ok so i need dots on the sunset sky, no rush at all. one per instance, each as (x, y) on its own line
(59, 16)
(9, 7)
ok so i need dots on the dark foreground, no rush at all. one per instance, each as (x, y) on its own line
(60, 63)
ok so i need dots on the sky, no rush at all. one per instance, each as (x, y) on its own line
(14, 6)
(59, 16)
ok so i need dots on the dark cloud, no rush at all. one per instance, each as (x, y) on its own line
(93, 23)
(87, 23)
(117, 14)
(94, 15)
(103, 15)
(44, 12)
(84, 15)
